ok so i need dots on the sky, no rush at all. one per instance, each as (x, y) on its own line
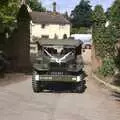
(68, 5)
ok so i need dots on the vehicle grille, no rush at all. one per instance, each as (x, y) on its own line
(56, 73)
(59, 73)
(58, 66)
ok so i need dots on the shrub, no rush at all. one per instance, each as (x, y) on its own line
(107, 68)
(81, 30)
(117, 61)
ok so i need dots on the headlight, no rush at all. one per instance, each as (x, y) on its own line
(78, 78)
(37, 77)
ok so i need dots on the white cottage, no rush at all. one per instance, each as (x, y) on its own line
(49, 25)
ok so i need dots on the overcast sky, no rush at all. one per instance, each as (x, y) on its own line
(68, 5)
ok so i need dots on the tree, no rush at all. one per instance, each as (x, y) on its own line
(36, 6)
(8, 12)
(104, 41)
(115, 16)
(81, 15)
(108, 13)
(98, 15)
(66, 15)
(99, 20)
(115, 22)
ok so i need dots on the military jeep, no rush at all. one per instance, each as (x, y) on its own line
(58, 61)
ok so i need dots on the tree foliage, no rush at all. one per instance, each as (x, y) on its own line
(104, 40)
(115, 16)
(81, 15)
(115, 22)
(108, 67)
(36, 6)
(66, 15)
(8, 12)
(23, 15)
(98, 15)
(81, 30)
(98, 28)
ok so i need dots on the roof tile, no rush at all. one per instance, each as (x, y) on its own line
(48, 18)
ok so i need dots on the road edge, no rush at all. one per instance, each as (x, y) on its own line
(108, 85)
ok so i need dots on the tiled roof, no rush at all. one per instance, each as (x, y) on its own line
(48, 18)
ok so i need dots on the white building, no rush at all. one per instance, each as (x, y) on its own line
(49, 25)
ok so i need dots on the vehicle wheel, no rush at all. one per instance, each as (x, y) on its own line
(80, 88)
(36, 85)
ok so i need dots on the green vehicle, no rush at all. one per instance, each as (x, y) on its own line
(59, 61)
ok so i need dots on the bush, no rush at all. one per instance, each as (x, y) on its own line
(107, 69)
(81, 30)
(117, 61)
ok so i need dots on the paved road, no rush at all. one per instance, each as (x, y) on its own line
(18, 102)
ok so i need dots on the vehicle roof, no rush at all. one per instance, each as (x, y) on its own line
(62, 42)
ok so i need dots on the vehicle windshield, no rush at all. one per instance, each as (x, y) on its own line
(58, 50)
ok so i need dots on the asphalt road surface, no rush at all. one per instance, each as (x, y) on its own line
(18, 102)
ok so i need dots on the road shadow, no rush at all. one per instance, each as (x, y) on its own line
(12, 78)
(116, 96)
(61, 88)
(116, 82)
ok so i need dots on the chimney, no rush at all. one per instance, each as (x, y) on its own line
(54, 6)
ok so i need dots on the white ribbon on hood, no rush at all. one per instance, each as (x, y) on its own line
(58, 60)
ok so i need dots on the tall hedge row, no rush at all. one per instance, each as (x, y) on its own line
(105, 35)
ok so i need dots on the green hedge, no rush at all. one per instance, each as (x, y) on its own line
(108, 67)
(81, 30)
(104, 40)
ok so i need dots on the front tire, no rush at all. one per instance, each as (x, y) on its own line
(36, 85)
(80, 88)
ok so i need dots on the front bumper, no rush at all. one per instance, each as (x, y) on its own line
(59, 78)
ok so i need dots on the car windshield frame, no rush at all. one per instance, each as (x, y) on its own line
(64, 49)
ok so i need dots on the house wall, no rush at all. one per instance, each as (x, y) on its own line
(50, 30)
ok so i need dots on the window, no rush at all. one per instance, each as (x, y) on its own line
(54, 50)
(64, 36)
(45, 36)
(33, 48)
(43, 26)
